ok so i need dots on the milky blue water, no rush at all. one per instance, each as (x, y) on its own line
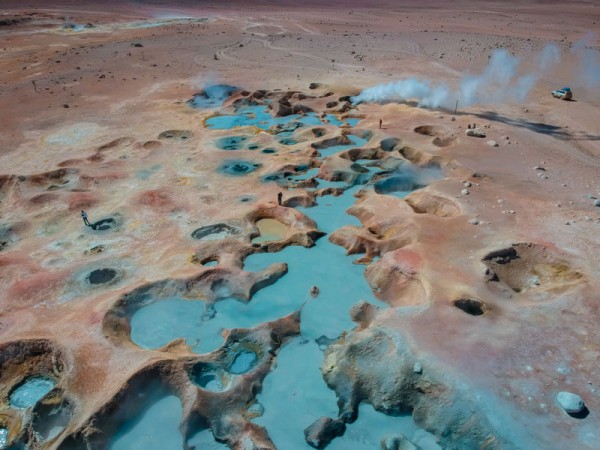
(243, 362)
(31, 391)
(258, 116)
(371, 426)
(155, 428)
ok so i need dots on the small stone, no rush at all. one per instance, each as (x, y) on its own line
(474, 222)
(558, 205)
(475, 132)
(397, 442)
(464, 192)
(466, 183)
(453, 119)
(418, 367)
(492, 143)
(597, 202)
(539, 168)
(567, 223)
(512, 211)
(571, 403)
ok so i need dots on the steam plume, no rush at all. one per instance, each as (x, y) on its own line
(499, 81)
(589, 62)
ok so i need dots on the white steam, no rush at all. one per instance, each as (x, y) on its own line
(500, 81)
(589, 62)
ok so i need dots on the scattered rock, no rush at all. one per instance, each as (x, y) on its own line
(464, 192)
(323, 431)
(571, 403)
(597, 202)
(94, 250)
(475, 132)
(474, 222)
(467, 184)
(539, 168)
(314, 291)
(418, 368)
(492, 143)
(323, 342)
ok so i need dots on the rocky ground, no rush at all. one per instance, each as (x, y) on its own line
(490, 271)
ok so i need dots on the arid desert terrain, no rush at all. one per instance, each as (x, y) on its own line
(352, 225)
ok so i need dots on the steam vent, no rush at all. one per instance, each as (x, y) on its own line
(257, 225)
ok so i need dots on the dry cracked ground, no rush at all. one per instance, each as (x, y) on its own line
(448, 282)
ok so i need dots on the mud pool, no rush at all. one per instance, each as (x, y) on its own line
(30, 392)
(295, 388)
(270, 230)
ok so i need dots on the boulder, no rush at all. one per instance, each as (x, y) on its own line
(571, 403)
(323, 431)
(475, 132)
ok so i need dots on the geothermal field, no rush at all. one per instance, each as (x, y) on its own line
(293, 225)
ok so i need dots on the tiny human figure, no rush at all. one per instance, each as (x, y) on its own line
(280, 198)
(84, 216)
(314, 291)
(380, 123)
(469, 126)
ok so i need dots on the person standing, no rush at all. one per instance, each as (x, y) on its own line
(380, 123)
(84, 216)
